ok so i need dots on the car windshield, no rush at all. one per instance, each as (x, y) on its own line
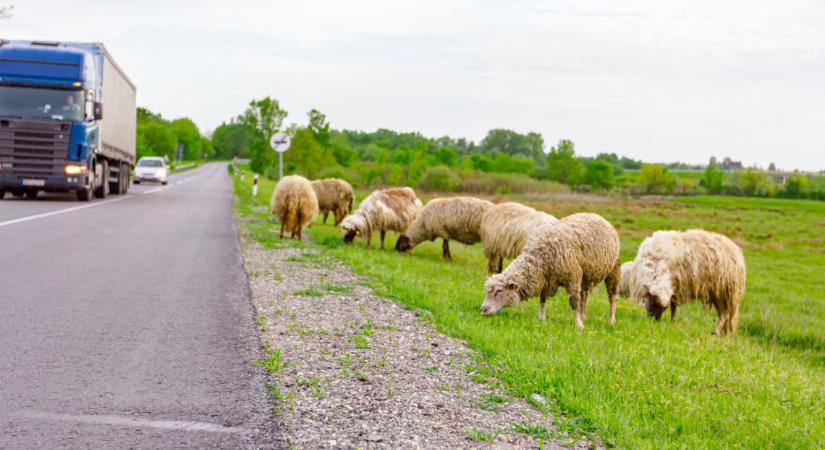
(37, 103)
(150, 163)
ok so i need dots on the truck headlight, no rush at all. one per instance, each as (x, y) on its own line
(73, 169)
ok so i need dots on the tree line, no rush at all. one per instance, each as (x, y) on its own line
(504, 161)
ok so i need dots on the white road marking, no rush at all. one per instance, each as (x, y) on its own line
(173, 425)
(61, 211)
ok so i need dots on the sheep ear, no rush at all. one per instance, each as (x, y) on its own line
(512, 286)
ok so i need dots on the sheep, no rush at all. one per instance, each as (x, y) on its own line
(456, 218)
(504, 230)
(577, 253)
(295, 204)
(624, 281)
(389, 209)
(674, 267)
(333, 195)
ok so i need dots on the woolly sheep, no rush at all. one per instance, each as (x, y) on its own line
(624, 282)
(388, 209)
(334, 195)
(504, 230)
(294, 203)
(674, 267)
(456, 218)
(577, 253)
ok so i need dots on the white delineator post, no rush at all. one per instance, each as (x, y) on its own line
(255, 186)
(280, 143)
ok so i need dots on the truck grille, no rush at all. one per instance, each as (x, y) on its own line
(34, 148)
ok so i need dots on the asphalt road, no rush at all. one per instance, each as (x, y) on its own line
(126, 322)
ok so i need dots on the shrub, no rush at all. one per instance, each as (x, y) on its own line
(599, 174)
(439, 178)
(713, 179)
(498, 183)
(655, 179)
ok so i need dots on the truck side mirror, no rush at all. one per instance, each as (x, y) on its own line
(98, 110)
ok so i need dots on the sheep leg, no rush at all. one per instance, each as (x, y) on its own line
(326, 213)
(583, 304)
(612, 285)
(282, 229)
(672, 311)
(383, 233)
(491, 265)
(369, 238)
(575, 293)
(445, 249)
(500, 267)
(719, 330)
(542, 305)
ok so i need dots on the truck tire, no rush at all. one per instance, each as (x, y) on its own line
(103, 190)
(116, 187)
(85, 194)
(127, 171)
(31, 194)
(2, 193)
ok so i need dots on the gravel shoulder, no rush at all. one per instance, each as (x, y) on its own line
(349, 369)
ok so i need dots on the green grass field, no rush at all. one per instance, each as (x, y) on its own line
(640, 383)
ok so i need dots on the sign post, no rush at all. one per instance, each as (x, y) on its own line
(280, 143)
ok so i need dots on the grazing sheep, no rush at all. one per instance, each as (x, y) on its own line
(295, 204)
(504, 230)
(675, 267)
(456, 218)
(624, 282)
(333, 195)
(577, 252)
(389, 209)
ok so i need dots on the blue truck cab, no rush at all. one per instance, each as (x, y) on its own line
(67, 120)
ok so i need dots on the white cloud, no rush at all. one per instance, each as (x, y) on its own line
(660, 81)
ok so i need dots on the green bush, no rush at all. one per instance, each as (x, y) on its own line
(439, 178)
(492, 183)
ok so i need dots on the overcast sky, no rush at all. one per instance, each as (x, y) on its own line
(660, 81)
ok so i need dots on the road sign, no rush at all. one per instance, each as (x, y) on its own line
(279, 142)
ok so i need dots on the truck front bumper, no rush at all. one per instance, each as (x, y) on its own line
(56, 183)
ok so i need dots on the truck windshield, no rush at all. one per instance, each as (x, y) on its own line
(38, 103)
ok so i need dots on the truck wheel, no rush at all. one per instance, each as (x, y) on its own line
(116, 187)
(31, 194)
(103, 190)
(85, 194)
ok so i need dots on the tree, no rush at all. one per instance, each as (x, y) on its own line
(796, 186)
(500, 140)
(754, 182)
(234, 139)
(5, 11)
(562, 164)
(599, 174)
(655, 179)
(266, 117)
(713, 161)
(306, 155)
(160, 139)
(772, 167)
(446, 156)
(319, 125)
(188, 135)
(713, 179)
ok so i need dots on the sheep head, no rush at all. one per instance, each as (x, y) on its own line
(403, 243)
(351, 226)
(500, 293)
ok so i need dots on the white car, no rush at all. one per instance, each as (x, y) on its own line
(151, 168)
